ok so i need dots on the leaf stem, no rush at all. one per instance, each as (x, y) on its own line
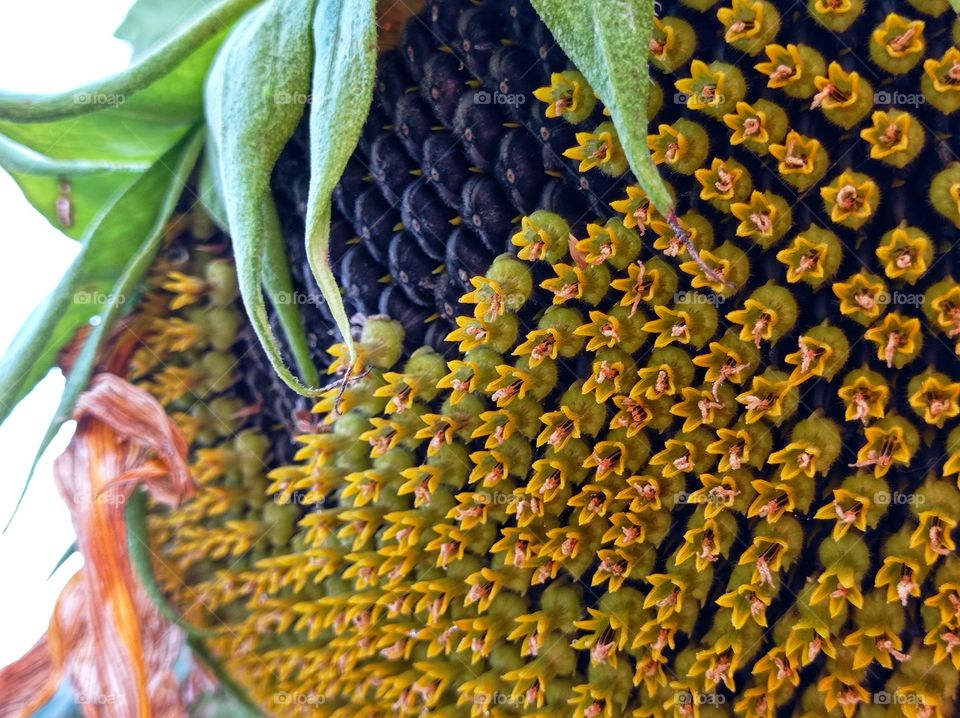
(684, 237)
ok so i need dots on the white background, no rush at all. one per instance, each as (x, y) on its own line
(45, 46)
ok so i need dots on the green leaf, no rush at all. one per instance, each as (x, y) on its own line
(609, 41)
(345, 38)
(141, 559)
(73, 153)
(209, 190)
(64, 557)
(149, 23)
(278, 284)
(116, 255)
(225, 679)
(204, 34)
(254, 101)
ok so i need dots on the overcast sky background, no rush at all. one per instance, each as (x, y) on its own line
(45, 46)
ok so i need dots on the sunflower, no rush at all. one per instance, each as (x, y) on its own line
(644, 384)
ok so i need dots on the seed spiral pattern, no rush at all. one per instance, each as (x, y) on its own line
(655, 472)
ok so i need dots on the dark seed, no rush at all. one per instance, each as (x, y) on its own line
(515, 73)
(547, 49)
(557, 196)
(375, 220)
(518, 17)
(426, 218)
(413, 120)
(412, 270)
(519, 169)
(394, 303)
(351, 185)
(486, 212)
(443, 16)
(466, 257)
(390, 166)
(445, 167)
(359, 276)
(556, 135)
(392, 80)
(436, 337)
(447, 295)
(479, 34)
(417, 46)
(478, 124)
(377, 120)
(444, 81)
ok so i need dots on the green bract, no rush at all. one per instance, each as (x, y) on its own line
(108, 162)
(605, 40)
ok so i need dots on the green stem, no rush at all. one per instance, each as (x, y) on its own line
(43, 108)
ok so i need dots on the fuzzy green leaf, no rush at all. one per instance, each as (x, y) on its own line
(254, 101)
(73, 153)
(345, 37)
(108, 246)
(103, 279)
(209, 190)
(609, 41)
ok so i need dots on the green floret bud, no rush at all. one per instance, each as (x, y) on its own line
(222, 278)
(897, 44)
(219, 372)
(749, 26)
(836, 20)
(543, 235)
(382, 341)
(813, 256)
(713, 89)
(703, 317)
(945, 193)
(767, 314)
(931, 7)
(672, 43)
(426, 367)
(514, 279)
(682, 146)
(822, 352)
